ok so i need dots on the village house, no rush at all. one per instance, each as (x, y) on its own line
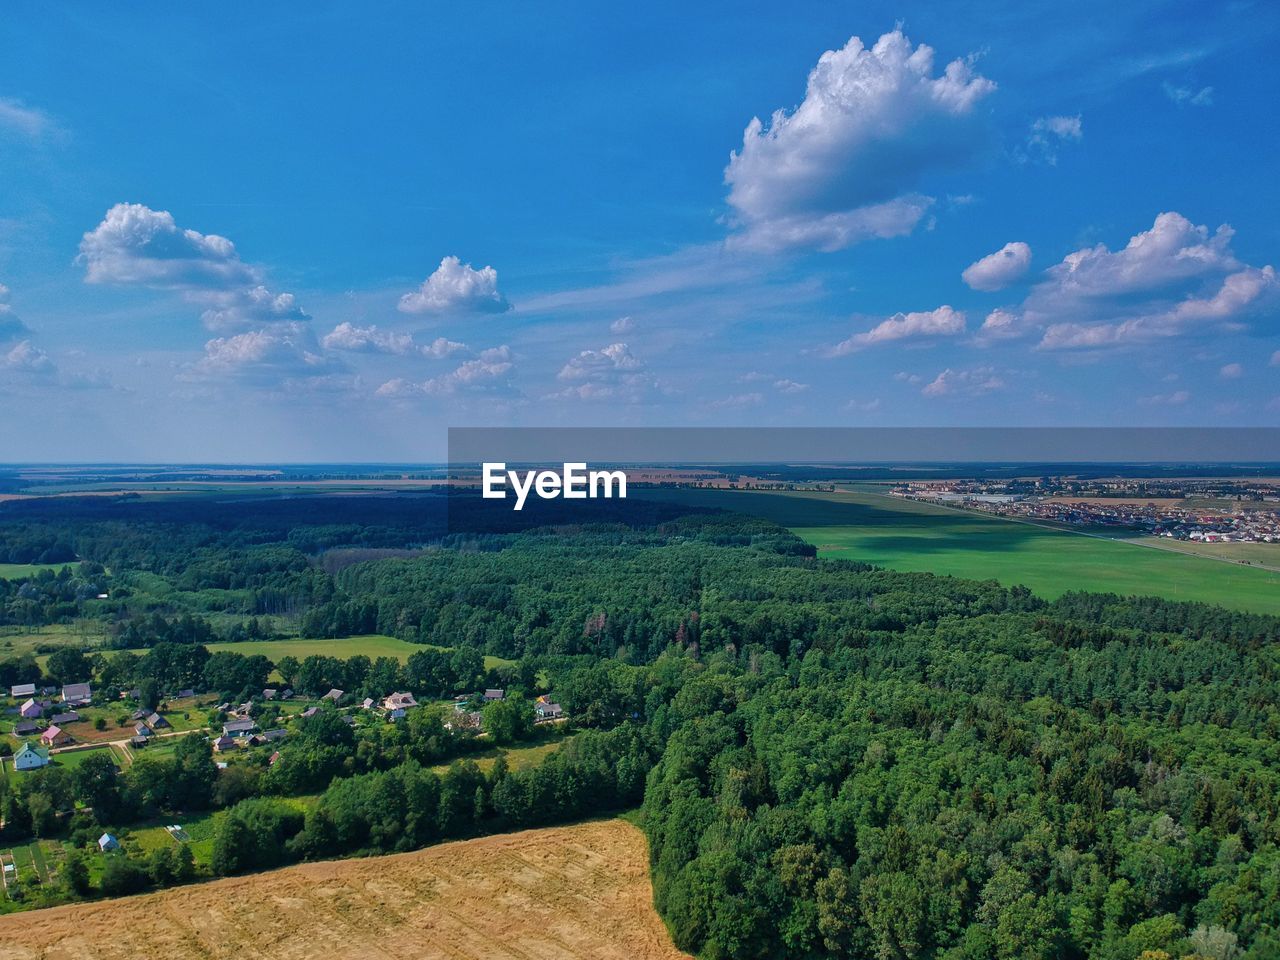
(185, 694)
(137, 742)
(335, 695)
(238, 728)
(29, 758)
(77, 694)
(156, 721)
(309, 712)
(491, 695)
(224, 743)
(140, 715)
(31, 709)
(546, 710)
(141, 730)
(288, 694)
(399, 701)
(61, 719)
(22, 690)
(55, 737)
(24, 727)
(268, 694)
(271, 761)
(367, 703)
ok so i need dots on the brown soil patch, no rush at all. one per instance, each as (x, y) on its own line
(563, 892)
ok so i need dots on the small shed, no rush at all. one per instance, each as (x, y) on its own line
(108, 842)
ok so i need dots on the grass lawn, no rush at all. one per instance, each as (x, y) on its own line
(906, 535)
(74, 758)
(20, 571)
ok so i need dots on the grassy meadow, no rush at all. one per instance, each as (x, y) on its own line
(907, 535)
(371, 645)
(20, 571)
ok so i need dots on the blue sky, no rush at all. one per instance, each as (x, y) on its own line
(315, 232)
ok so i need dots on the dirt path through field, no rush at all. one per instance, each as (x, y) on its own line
(563, 892)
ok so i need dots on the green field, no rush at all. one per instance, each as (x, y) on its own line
(20, 571)
(1259, 554)
(19, 641)
(518, 758)
(907, 535)
(370, 645)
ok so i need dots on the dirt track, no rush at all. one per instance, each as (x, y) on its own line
(562, 892)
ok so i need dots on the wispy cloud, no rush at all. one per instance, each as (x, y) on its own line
(1188, 96)
(27, 122)
(945, 321)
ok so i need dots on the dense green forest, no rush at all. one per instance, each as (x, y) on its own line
(830, 759)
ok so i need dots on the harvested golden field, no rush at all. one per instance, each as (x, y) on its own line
(563, 892)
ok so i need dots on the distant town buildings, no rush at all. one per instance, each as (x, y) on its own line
(1210, 511)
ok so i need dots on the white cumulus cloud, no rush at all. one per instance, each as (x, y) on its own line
(28, 358)
(1175, 279)
(284, 351)
(997, 270)
(487, 373)
(963, 383)
(457, 286)
(137, 245)
(843, 165)
(942, 322)
(612, 372)
(235, 310)
(592, 364)
(442, 347)
(347, 336)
